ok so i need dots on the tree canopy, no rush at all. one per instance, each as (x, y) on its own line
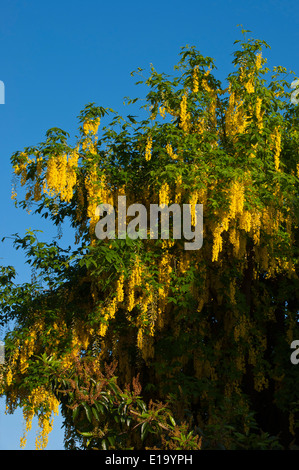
(142, 343)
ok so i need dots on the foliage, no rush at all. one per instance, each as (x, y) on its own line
(207, 332)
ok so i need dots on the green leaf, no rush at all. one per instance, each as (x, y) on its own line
(88, 411)
(75, 412)
(104, 444)
(95, 413)
(144, 430)
(86, 434)
(111, 440)
(172, 420)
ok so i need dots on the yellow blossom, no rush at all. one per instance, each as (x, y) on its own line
(258, 61)
(170, 152)
(184, 116)
(249, 86)
(195, 80)
(162, 111)
(164, 194)
(148, 149)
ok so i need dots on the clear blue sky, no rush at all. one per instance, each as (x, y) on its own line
(58, 56)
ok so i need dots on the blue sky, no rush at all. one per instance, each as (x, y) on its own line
(58, 56)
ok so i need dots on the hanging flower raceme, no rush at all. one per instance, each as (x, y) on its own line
(40, 397)
(259, 114)
(184, 115)
(91, 126)
(276, 146)
(164, 194)
(170, 152)
(258, 61)
(249, 85)
(162, 111)
(195, 79)
(148, 148)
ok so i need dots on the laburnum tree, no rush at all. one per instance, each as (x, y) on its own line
(141, 343)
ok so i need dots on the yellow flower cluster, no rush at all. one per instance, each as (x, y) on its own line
(240, 118)
(91, 126)
(236, 210)
(140, 338)
(249, 86)
(97, 193)
(109, 311)
(13, 194)
(103, 329)
(204, 83)
(193, 199)
(9, 376)
(170, 152)
(148, 149)
(258, 113)
(85, 335)
(236, 199)
(21, 169)
(245, 221)
(195, 80)
(26, 351)
(276, 145)
(134, 281)
(50, 184)
(162, 111)
(40, 398)
(184, 115)
(255, 226)
(164, 194)
(20, 356)
(90, 129)
(235, 117)
(217, 242)
(146, 322)
(61, 176)
(201, 125)
(253, 150)
(260, 382)
(258, 61)
(120, 289)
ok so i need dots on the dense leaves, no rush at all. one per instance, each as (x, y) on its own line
(206, 331)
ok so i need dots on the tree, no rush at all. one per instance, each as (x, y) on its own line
(143, 343)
